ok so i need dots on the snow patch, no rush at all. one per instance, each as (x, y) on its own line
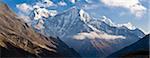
(128, 25)
(107, 21)
(39, 25)
(85, 17)
(40, 13)
(94, 29)
(52, 12)
(43, 12)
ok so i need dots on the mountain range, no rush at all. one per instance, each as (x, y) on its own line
(71, 33)
(17, 39)
(90, 37)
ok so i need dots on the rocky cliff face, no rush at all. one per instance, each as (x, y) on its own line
(17, 39)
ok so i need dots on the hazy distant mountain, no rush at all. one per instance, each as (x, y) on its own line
(17, 39)
(138, 49)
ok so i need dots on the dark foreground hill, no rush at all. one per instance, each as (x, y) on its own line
(17, 39)
(139, 49)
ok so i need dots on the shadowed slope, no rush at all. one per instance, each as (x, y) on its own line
(138, 49)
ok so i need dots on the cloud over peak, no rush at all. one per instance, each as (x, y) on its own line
(24, 7)
(95, 35)
(72, 1)
(134, 6)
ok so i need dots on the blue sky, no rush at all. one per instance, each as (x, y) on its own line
(118, 13)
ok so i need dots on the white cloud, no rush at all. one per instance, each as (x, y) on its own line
(91, 6)
(61, 3)
(133, 5)
(48, 3)
(40, 10)
(73, 1)
(122, 14)
(89, 1)
(95, 35)
(45, 3)
(24, 7)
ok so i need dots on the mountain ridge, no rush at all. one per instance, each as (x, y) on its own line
(68, 24)
(17, 39)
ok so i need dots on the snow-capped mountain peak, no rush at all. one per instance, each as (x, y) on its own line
(40, 14)
(105, 36)
(85, 17)
(107, 21)
(43, 12)
(77, 23)
(127, 25)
